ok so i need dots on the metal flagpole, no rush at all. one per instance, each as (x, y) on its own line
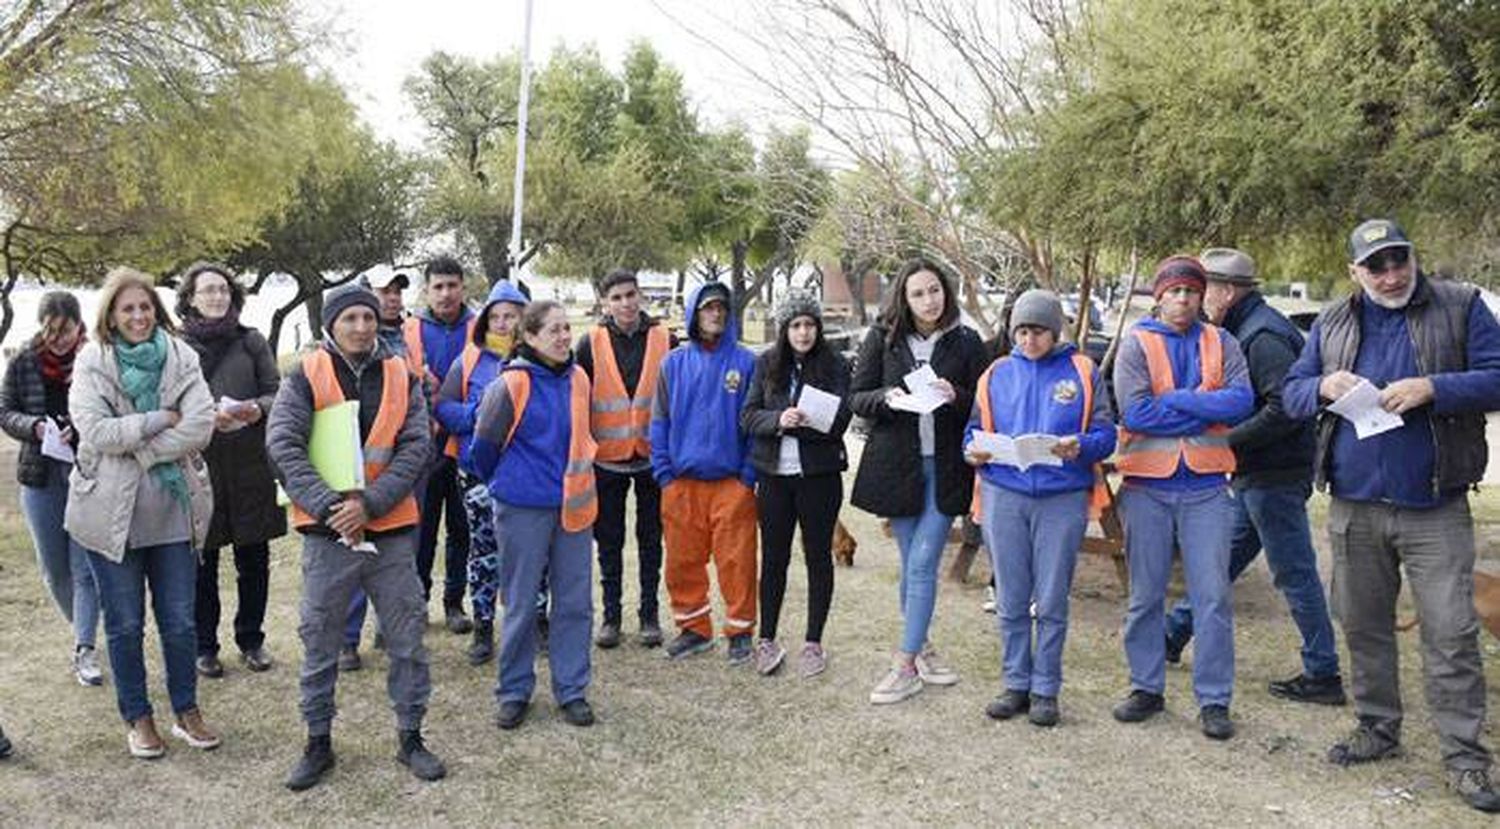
(519, 198)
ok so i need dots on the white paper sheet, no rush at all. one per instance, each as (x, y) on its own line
(1361, 407)
(53, 445)
(234, 407)
(820, 407)
(1022, 452)
(922, 397)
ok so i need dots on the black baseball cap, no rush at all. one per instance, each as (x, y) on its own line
(1373, 236)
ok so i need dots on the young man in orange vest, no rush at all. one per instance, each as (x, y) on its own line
(622, 356)
(1180, 384)
(393, 427)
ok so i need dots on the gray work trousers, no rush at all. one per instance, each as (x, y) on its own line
(1372, 542)
(330, 573)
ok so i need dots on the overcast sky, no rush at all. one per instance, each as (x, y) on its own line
(386, 41)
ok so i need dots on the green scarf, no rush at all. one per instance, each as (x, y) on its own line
(140, 367)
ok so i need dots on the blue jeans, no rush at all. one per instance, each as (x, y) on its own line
(1033, 545)
(921, 539)
(533, 544)
(64, 564)
(1198, 523)
(171, 571)
(1276, 517)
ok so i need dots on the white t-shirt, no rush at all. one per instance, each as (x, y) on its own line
(789, 462)
(921, 351)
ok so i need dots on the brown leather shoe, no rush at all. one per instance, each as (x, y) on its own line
(191, 729)
(144, 742)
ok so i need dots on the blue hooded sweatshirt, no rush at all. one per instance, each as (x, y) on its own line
(456, 415)
(1044, 397)
(695, 420)
(529, 471)
(1184, 410)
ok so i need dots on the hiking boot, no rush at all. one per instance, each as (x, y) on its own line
(5, 746)
(1365, 744)
(379, 641)
(1044, 711)
(901, 682)
(349, 659)
(511, 714)
(608, 636)
(257, 659)
(191, 729)
(482, 649)
(1140, 706)
(208, 665)
(317, 759)
(739, 648)
(414, 755)
(1323, 690)
(86, 666)
(456, 622)
(1215, 723)
(1175, 647)
(1008, 704)
(812, 661)
(650, 635)
(1474, 786)
(933, 669)
(769, 654)
(143, 740)
(688, 643)
(579, 713)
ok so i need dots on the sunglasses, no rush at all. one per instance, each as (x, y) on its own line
(1387, 260)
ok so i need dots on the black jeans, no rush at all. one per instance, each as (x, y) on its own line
(252, 565)
(609, 532)
(784, 502)
(444, 496)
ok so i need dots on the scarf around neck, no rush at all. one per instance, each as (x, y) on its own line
(56, 370)
(140, 366)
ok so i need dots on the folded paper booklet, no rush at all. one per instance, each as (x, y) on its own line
(334, 447)
(921, 397)
(820, 407)
(1361, 407)
(1022, 452)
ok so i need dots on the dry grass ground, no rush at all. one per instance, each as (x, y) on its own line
(701, 744)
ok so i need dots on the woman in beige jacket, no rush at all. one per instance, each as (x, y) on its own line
(139, 498)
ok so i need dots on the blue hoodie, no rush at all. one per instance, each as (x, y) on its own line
(1043, 397)
(1184, 410)
(457, 415)
(695, 420)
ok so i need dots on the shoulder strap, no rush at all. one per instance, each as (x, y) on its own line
(1084, 365)
(1157, 362)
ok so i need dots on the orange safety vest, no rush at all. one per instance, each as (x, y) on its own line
(1084, 365)
(380, 444)
(1153, 456)
(470, 359)
(416, 357)
(580, 505)
(622, 424)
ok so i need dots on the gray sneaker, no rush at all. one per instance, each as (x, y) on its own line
(86, 666)
(812, 661)
(687, 644)
(933, 669)
(901, 682)
(769, 654)
(739, 649)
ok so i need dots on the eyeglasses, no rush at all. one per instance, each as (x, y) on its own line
(212, 290)
(1386, 260)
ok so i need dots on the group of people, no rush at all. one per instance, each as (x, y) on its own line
(148, 445)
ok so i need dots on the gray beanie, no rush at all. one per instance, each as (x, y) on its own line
(1040, 308)
(344, 297)
(798, 305)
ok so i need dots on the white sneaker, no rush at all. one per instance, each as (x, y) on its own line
(989, 600)
(932, 668)
(900, 683)
(86, 666)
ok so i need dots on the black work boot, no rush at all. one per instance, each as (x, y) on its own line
(608, 636)
(456, 621)
(1322, 690)
(1140, 706)
(414, 755)
(1368, 742)
(1474, 786)
(4, 745)
(317, 759)
(482, 649)
(1008, 704)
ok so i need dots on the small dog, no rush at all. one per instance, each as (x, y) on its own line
(844, 545)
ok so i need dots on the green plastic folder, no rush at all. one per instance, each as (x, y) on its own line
(334, 447)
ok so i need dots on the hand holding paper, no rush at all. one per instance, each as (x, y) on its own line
(819, 407)
(55, 442)
(1022, 452)
(1361, 406)
(924, 393)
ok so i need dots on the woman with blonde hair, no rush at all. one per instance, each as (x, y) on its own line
(139, 498)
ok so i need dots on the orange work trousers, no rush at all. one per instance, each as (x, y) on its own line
(704, 520)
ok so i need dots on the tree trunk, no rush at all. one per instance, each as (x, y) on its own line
(854, 278)
(739, 250)
(1085, 303)
(7, 312)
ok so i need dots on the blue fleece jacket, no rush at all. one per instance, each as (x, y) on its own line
(1184, 410)
(527, 472)
(1045, 397)
(1396, 466)
(455, 412)
(695, 419)
(442, 342)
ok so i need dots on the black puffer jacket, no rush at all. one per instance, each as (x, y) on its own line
(23, 403)
(820, 453)
(889, 480)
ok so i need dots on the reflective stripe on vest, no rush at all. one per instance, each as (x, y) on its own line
(470, 360)
(1148, 456)
(580, 503)
(622, 424)
(1084, 366)
(380, 444)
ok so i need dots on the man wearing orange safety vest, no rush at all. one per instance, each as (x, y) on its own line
(622, 356)
(393, 428)
(1180, 384)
